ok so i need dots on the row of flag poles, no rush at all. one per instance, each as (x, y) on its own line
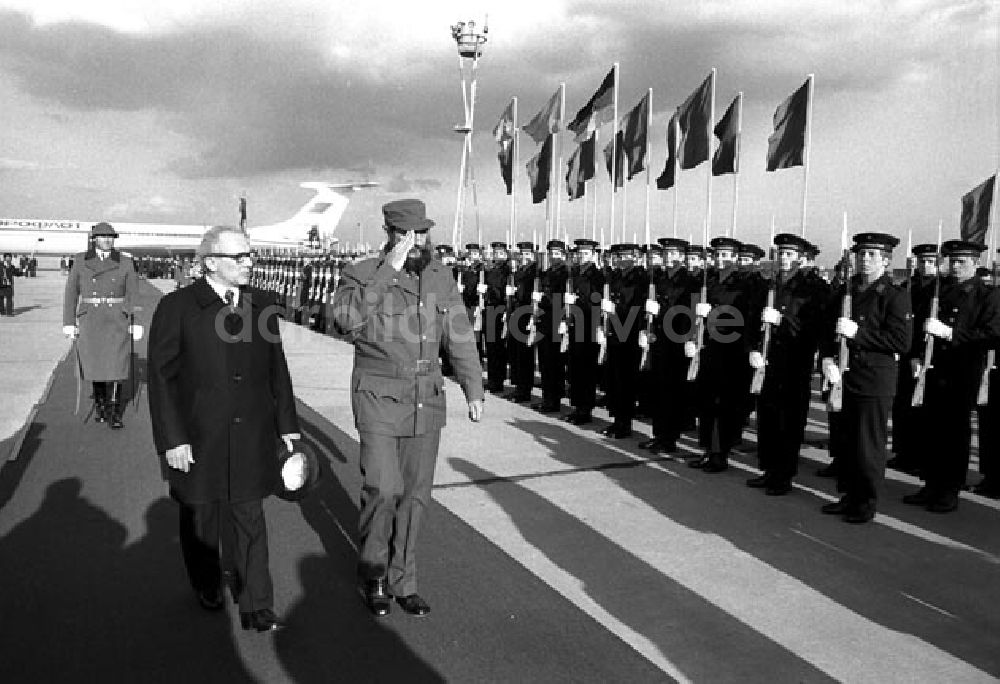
(627, 151)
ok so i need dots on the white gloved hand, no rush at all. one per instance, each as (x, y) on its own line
(937, 328)
(607, 306)
(652, 307)
(756, 360)
(690, 349)
(847, 327)
(510, 290)
(643, 339)
(536, 297)
(702, 309)
(481, 288)
(771, 315)
(569, 299)
(293, 472)
(830, 371)
(915, 367)
(562, 329)
(70, 331)
(136, 331)
(600, 337)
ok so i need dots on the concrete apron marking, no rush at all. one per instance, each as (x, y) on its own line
(806, 626)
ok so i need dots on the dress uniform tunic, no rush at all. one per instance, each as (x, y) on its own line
(588, 285)
(522, 354)
(672, 396)
(628, 292)
(551, 361)
(496, 306)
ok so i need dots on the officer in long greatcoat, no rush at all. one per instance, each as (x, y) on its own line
(399, 309)
(98, 301)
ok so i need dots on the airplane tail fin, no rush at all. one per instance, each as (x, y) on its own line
(317, 219)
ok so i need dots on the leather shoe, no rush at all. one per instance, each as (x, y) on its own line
(413, 604)
(263, 620)
(546, 408)
(698, 462)
(616, 433)
(211, 599)
(649, 443)
(376, 596)
(988, 489)
(943, 504)
(578, 418)
(836, 507)
(759, 482)
(714, 465)
(778, 488)
(827, 471)
(919, 498)
(860, 516)
(519, 398)
(664, 448)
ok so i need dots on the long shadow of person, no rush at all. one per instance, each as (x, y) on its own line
(12, 471)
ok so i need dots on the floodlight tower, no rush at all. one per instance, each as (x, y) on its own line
(470, 49)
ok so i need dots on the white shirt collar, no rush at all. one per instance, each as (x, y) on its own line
(221, 289)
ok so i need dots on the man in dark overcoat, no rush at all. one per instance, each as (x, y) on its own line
(219, 398)
(8, 271)
(399, 310)
(97, 308)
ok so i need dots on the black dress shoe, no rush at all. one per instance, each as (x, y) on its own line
(519, 398)
(211, 599)
(546, 408)
(665, 448)
(263, 620)
(616, 433)
(859, 516)
(713, 465)
(698, 462)
(759, 482)
(778, 489)
(919, 498)
(946, 503)
(413, 604)
(376, 596)
(578, 418)
(649, 443)
(987, 488)
(827, 471)
(836, 507)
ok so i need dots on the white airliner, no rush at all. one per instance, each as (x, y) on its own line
(319, 217)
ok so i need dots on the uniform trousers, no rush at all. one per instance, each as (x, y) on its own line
(397, 474)
(907, 437)
(552, 366)
(623, 382)
(946, 439)
(722, 386)
(989, 432)
(782, 410)
(496, 347)
(583, 375)
(241, 529)
(6, 301)
(523, 365)
(672, 399)
(857, 444)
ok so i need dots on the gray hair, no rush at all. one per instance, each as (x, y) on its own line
(210, 240)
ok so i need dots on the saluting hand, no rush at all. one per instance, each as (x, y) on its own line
(397, 257)
(180, 457)
(476, 410)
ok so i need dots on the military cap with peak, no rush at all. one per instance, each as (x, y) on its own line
(498, 245)
(725, 243)
(405, 215)
(882, 241)
(925, 249)
(445, 249)
(953, 248)
(526, 246)
(812, 251)
(473, 245)
(626, 247)
(586, 242)
(673, 243)
(103, 229)
(791, 241)
(695, 249)
(556, 244)
(751, 250)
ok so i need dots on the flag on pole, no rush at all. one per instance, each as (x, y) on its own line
(634, 126)
(615, 148)
(592, 114)
(580, 169)
(786, 146)
(976, 206)
(539, 169)
(666, 179)
(694, 117)
(546, 121)
(503, 133)
(727, 157)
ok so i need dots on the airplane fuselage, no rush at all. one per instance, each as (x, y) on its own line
(64, 236)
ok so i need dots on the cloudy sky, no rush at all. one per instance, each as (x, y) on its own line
(153, 111)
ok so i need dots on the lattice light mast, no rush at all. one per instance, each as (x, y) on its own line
(470, 48)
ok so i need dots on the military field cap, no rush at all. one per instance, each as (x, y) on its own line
(299, 468)
(725, 243)
(406, 214)
(526, 246)
(694, 249)
(586, 242)
(882, 241)
(103, 229)
(926, 249)
(791, 241)
(751, 250)
(673, 243)
(473, 245)
(556, 244)
(962, 248)
(498, 245)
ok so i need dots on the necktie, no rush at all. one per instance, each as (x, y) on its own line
(229, 298)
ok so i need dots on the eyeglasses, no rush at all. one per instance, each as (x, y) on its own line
(241, 256)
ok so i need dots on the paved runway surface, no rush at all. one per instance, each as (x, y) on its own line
(551, 555)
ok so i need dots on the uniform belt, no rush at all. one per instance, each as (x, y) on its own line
(103, 300)
(392, 369)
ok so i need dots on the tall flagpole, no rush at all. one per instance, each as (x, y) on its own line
(649, 160)
(677, 143)
(624, 191)
(614, 154)
(593, 181)
(805, 154)
(557, 162)
(513, 178)
(711, 135)
(736, 158)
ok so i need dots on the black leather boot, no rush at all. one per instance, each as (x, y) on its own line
(115, 407)
(100, 402)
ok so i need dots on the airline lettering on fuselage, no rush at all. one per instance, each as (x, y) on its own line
(16, 224)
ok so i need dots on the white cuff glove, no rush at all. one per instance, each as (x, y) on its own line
(600, 337)
(937, 328)
(702, 309)
(293, 472)
(690, 349)
(562, 329)
(756, 360)
(915, 366)
(771, 315)
(536, 297)
(71, 331)
(643, 339)
(569, 299)
(652, 307)
(847, 327)
(481, 288)
(607, 306)
(831, 372)
(510, 290)
(136, 331)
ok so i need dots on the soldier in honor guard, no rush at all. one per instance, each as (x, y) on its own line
(906, 418)
(522, 353)
(967, 325)
(8, 271)
(97, 305)
(584, 306)
(551, 360)
(795, 317)
(670, 407)
(628, 291)
(497, 278)
(470, 288)
(876, 334)
(723, 380)
(749, 256)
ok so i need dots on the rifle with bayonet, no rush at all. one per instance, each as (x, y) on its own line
(927, 361)
(699, 328)
(536, 311)
(602, 353)
(477, 324)
(644, 361)
(757, 383)
(508, 310)
(835, 400)
(566, 318)
(983, 396)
